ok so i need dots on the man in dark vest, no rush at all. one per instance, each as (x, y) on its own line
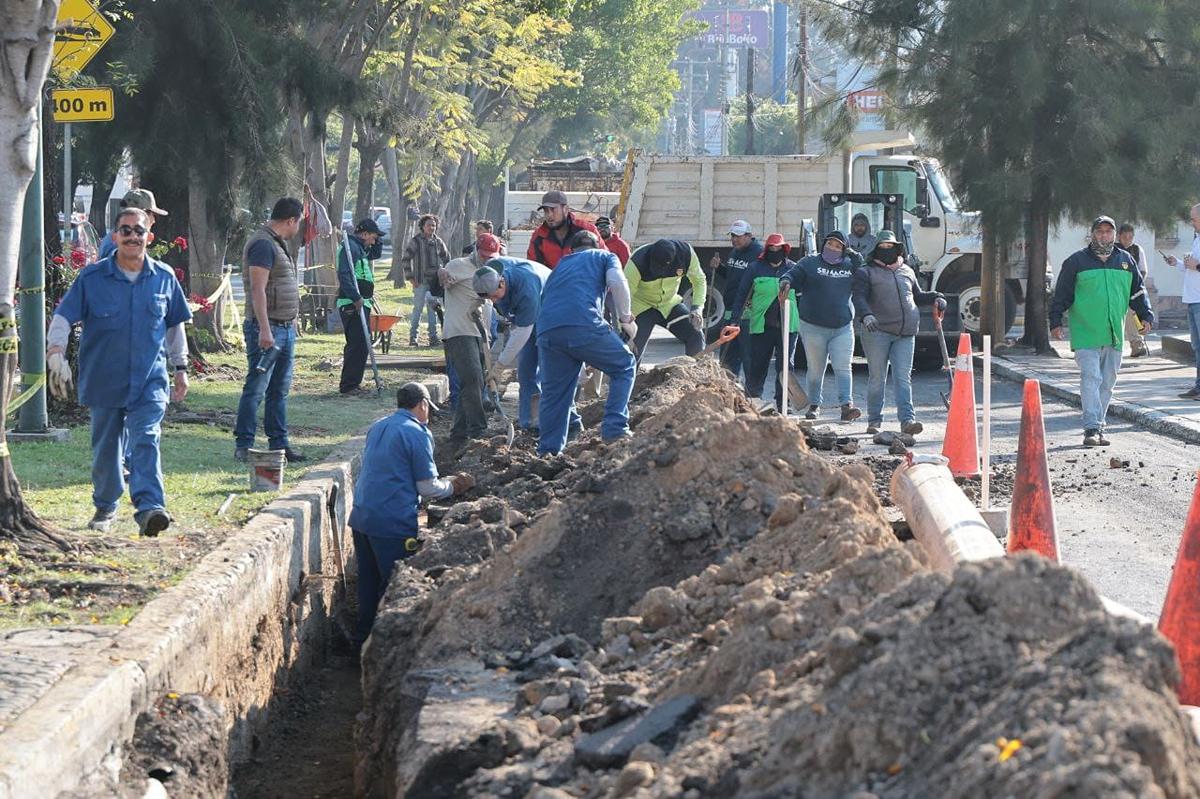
(272, 306)
(356, 287)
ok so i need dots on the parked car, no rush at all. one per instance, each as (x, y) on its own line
(383, 217)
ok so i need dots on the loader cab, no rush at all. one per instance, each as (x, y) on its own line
(883, 211)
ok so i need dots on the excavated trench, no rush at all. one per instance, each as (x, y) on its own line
(710, 609)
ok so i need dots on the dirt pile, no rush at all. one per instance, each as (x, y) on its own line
(709, 609)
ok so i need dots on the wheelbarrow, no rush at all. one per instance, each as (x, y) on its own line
(381, 330)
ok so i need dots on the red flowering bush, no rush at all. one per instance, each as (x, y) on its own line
(181, 243)
(203, 303)
(79, 259)
(58, 259)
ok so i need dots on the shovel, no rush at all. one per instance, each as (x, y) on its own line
(937, 322)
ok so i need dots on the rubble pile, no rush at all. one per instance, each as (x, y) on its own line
(709, 609)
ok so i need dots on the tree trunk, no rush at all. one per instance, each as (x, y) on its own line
(306, 146)
(25, 45)
(391, 169)
(98, 213)
(205, 248)
(52, 180)
(342, 177)
(369, 150)
(1037, 330)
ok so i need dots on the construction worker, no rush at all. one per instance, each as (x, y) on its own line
(135, 198)
(860, 240)
(1096, 286)
(463, 335)
(1189, 267)
(133, 312)
(397, 472)
(482, 226)
(822, 284)
(424, 254)
(356, 290)
(886, 294)
(612, 240)
(551, 240)
(763, 328)
(514, 286)
(571, 331)
(1137, 342)
(728, 275)
(654, 273)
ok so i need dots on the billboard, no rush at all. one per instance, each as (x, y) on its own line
(734, 28)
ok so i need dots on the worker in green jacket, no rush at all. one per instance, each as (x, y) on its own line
(356, 287)
(654, 272)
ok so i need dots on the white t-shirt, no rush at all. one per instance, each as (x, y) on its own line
(1191, 278)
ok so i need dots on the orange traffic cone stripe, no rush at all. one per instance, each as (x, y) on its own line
(1180, 619)
(961, 445)
(1032, 525)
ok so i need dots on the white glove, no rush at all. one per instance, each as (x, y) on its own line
(498, 373)
(697, 317)
(58, 375)
(870, 322)
(629, 329)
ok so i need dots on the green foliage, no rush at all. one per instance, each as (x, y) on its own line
(774, 126)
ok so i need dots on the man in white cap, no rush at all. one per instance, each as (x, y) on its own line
(728, 277)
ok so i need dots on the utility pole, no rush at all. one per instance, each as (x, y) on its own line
(68, 194)
(749, 101)
(32, 420)
(801, 75)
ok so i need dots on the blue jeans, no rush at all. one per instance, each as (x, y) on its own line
(562, 352)
(377, 556)
(423, 300)
(141, 426)
(828, 344)
(272, 385)
(884, 350)
(1194, 324)
(528, 381)
(735, 356)
(1097, 375)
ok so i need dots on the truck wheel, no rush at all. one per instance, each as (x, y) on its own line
(970, 300)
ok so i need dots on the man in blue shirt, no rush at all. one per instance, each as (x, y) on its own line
(397, 472)
(514, 285)
(133, 310)
(572, 331)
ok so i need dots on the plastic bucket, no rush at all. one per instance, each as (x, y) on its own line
(266, 469)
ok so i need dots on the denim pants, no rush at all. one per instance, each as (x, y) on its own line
(883, 350)
(764, 346)
(1194, 323)
(136, 430)
(423, 300)
(528, 380)
(562, 352)
(1098, 369)
(735, 356)
(377, 556)
(828, 345)
(272, 386)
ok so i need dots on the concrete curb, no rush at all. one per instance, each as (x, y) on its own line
(1167, 424)
(232, 629)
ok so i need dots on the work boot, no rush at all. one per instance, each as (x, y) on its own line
(912, 427)
(294, 456)
(152, 522)
(850, 413)
(812, 412)
(1091, 438)
(102, 520)
(412, 341)
(1104, 442)
(240, 454)
(1139, 352)
(873, 428)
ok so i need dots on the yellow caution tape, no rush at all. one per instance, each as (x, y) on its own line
(8, 345)
(30, 390)
(32, 290)
(3, 449)
(7, 322)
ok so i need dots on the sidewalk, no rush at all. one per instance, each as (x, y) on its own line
(1146, 390)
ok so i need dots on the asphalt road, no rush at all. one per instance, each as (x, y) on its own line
(1119, 527)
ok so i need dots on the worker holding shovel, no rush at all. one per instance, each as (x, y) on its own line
(356, 288)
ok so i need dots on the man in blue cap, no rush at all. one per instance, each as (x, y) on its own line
(133, 311)
(572, 331)
(397, 473)
(514, 285)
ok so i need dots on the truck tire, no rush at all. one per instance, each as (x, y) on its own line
(970, 296)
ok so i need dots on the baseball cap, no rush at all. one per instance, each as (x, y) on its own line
(144, 199)
(487, 245)
(553, 197)
(486, 281)
(740, 228)
(367, 226)
(410, 395)
(1104, 220)
(604, 222)
(837, 234)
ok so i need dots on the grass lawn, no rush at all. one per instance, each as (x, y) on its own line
(119, 572)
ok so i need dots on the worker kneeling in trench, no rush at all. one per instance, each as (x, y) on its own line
(397, 471)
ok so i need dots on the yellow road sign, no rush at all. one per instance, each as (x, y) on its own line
(83, 105)
(80, 31)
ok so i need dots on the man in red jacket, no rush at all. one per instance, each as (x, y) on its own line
(549, 242)
(613, 241)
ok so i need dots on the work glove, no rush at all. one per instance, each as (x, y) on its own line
(697, 317)
(940, 304)
(784, 288)
(462, 482)
(58, 375)
(629, 329)
(870, 322)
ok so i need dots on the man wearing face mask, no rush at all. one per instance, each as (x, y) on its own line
(1096, 286)
(761, 287)
(860, 239)
(822, 284)
(654, 273)
(886, 294)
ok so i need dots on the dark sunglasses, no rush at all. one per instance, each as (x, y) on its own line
(132, 230)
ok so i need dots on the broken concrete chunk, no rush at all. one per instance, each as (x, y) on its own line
(612, 747)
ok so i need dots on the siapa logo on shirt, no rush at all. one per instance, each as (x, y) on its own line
(824, 271)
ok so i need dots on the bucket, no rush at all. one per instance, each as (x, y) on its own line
(266, 469)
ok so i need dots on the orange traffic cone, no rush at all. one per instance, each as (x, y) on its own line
(961, 445)
(1180, 618)
(1032, 526)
